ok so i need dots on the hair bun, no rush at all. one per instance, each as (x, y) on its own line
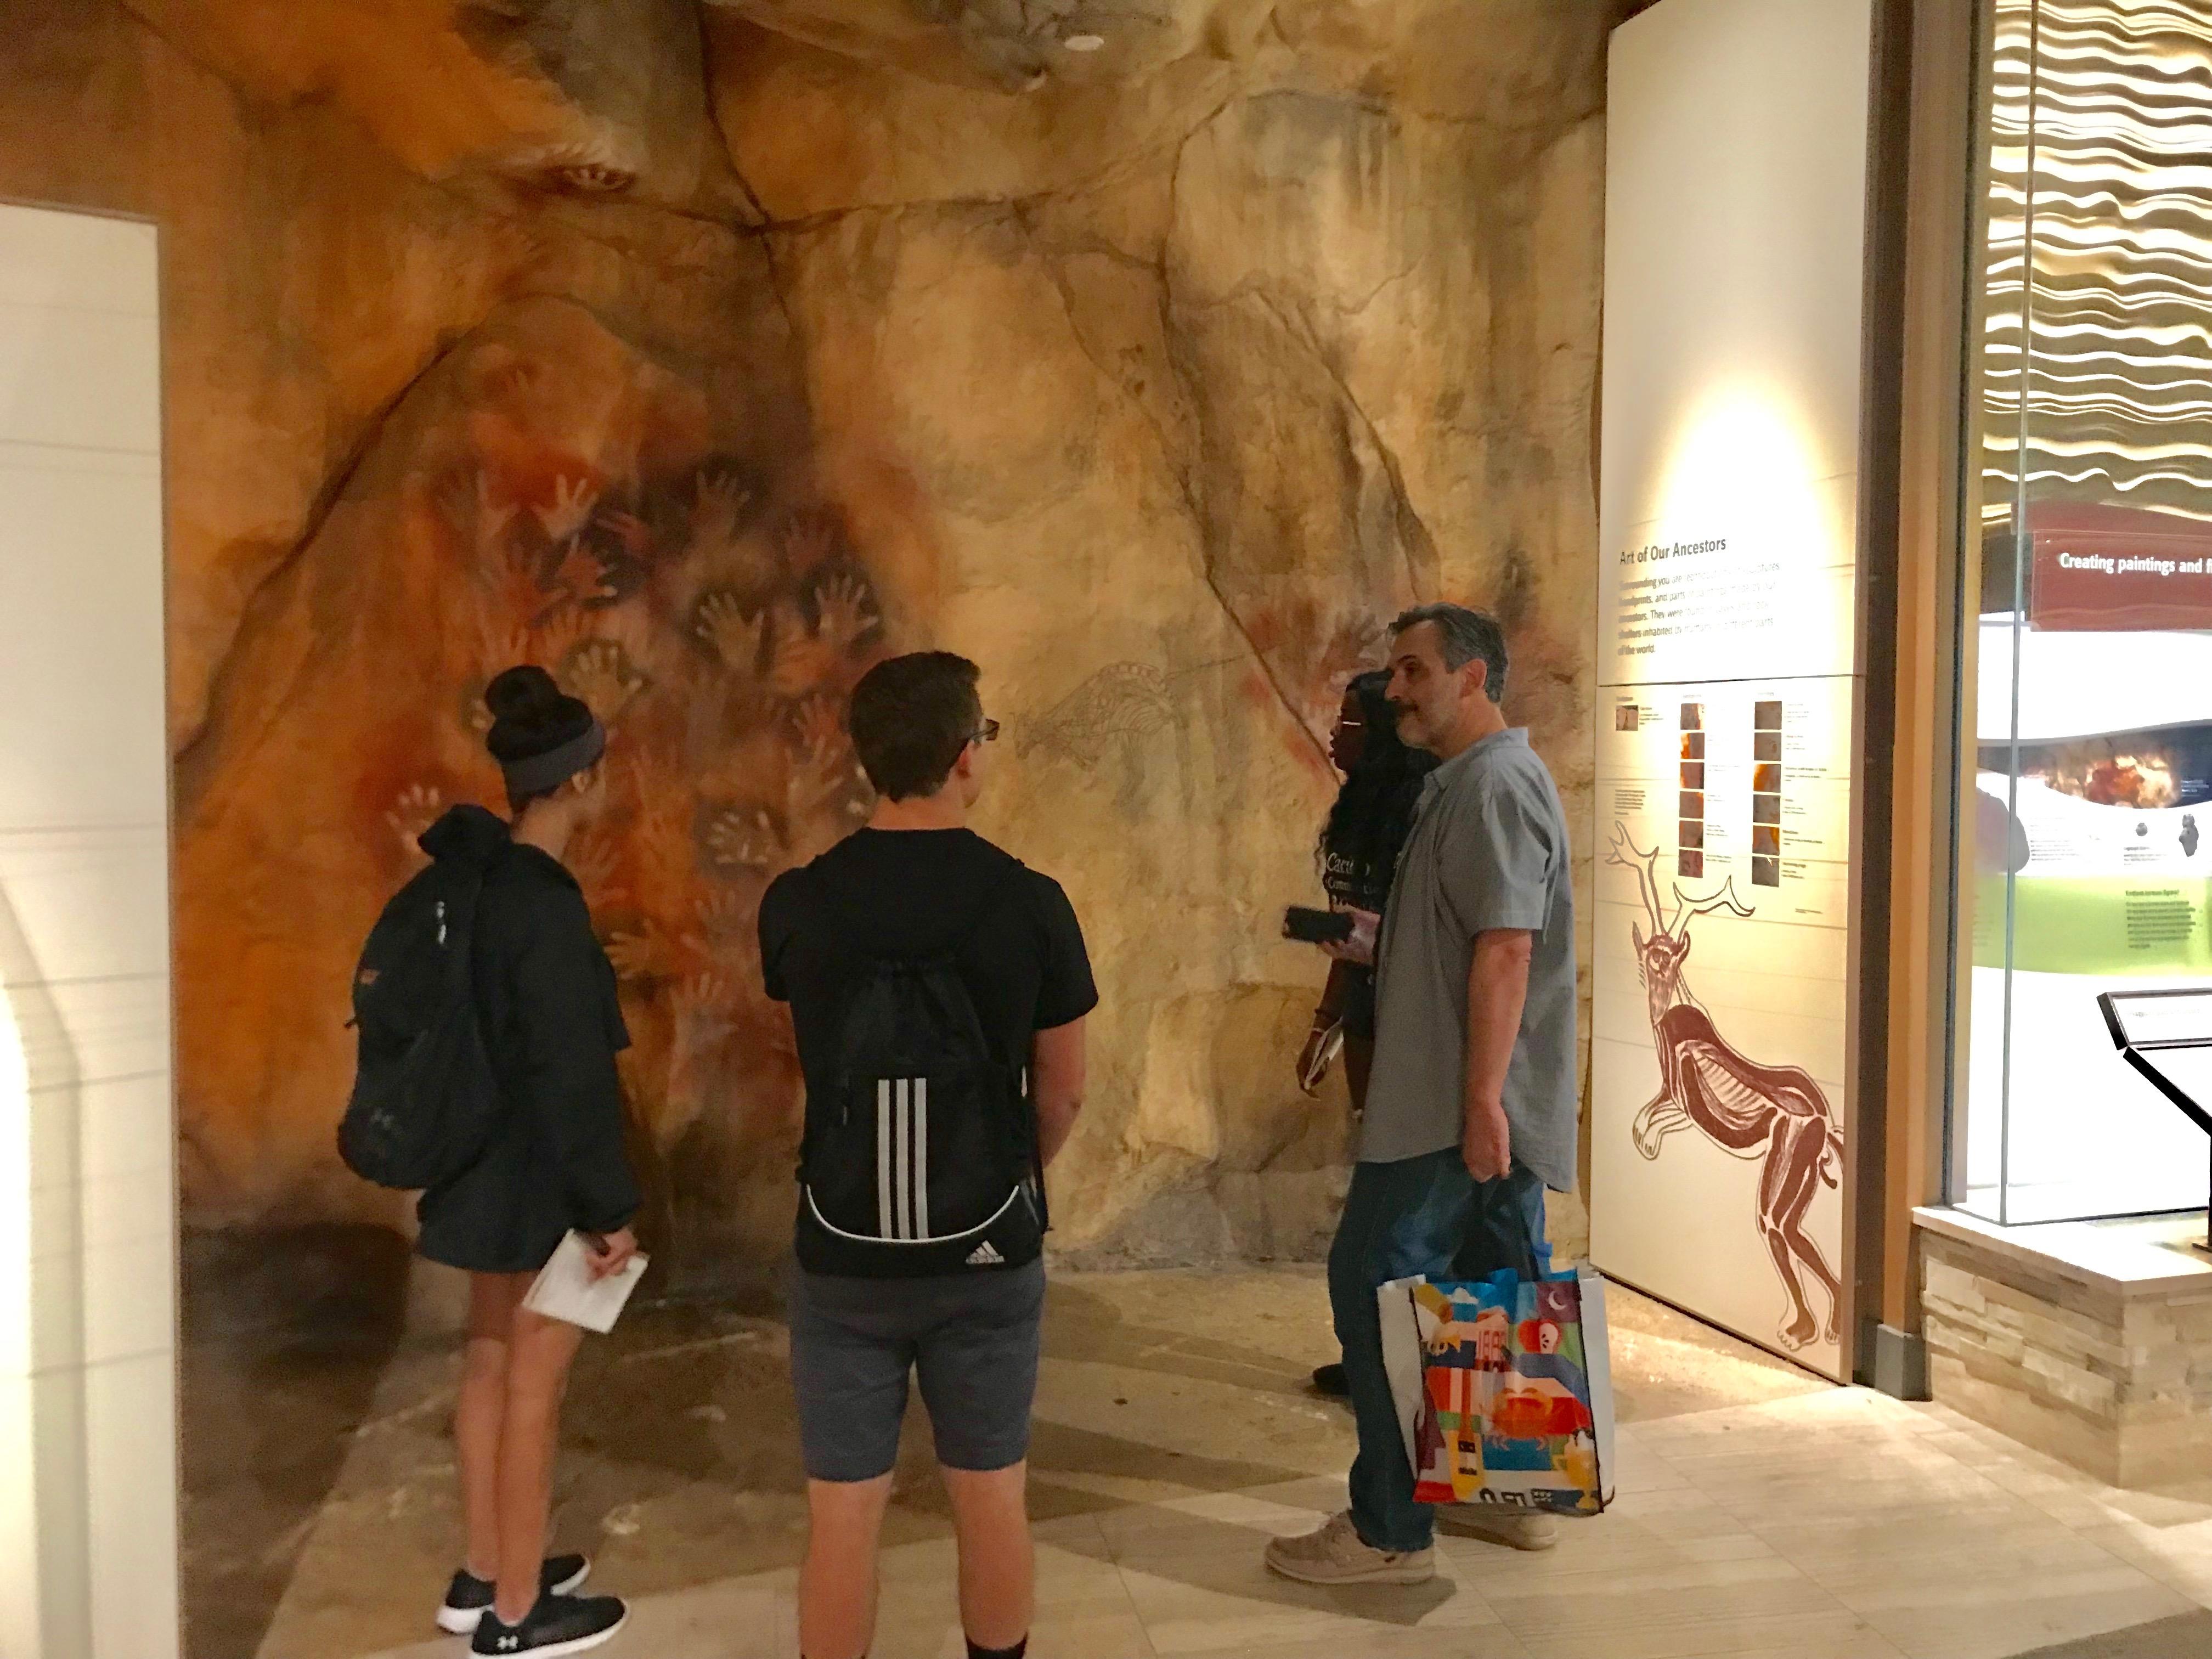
(524, 695)
(531, 715)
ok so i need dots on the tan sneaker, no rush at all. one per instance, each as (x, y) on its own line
(1336, 1554)
(1517, 1529)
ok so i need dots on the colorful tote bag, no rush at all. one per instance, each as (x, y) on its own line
(1504, 1389)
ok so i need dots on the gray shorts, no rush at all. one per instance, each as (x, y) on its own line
(973, 1337)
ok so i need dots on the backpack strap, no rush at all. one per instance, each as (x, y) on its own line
(1022, 1068)
(948, 949)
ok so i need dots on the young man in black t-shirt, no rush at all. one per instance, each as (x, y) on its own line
(917, 883)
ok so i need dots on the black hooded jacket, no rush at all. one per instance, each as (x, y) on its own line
(545, 996)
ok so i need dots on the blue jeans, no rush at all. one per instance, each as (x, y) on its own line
(1419, 1215)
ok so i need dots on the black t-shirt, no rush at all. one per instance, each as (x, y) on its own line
(915, 892)
(1359, 883)
(1359, 858)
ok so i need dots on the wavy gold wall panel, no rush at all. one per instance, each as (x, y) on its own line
(2100, 256)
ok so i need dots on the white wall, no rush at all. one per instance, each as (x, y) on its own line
(88, 1195)
(1735, 194)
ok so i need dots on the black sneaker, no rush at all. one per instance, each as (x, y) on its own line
(470, 1597)
(557, 1625)
(1330, 1380)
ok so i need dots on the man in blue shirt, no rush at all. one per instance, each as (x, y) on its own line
(1471, 1110)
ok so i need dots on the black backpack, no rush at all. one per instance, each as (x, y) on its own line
(926, 1151)
(425, 1099)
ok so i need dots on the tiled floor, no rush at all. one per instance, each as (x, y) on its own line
(1830, 1526)
(1815, 1524)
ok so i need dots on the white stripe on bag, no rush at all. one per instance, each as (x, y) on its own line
(903, 1169)
(885, 1220)
(921, 1157)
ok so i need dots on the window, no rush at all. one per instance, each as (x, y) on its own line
(2087, 776)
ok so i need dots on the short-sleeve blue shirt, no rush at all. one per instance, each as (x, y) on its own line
(1490, 851)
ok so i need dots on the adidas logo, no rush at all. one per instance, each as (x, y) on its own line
(986, 1255)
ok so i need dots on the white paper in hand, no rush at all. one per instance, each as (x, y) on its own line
(565, 1289)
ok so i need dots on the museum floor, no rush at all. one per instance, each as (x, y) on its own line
(1761, 1513)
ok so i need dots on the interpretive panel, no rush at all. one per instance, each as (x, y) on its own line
(2163, 1019)
(1721, 989)
(1728, 642)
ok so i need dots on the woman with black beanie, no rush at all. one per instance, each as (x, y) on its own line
(1358, 853)
(552, 1027)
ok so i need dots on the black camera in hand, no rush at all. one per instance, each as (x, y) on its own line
(1310, 926)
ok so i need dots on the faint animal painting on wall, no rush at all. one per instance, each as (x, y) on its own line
(1102, 726)
(1118, 706)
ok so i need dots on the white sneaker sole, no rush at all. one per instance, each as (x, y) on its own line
(463, 1621)
(1395, 1573)
(582, 1645)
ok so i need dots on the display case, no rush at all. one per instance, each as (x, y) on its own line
(2085, 856)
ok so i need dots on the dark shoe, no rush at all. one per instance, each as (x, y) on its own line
(557, 1625)
(470, 1597)
(1330, 1381)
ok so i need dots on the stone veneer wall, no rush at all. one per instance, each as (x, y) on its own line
(2118, 1384)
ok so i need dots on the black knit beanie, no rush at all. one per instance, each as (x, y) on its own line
(540, 735)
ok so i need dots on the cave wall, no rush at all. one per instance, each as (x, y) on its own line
(707, 354)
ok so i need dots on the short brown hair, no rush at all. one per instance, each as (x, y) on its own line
(912, 716)
(1461, 637)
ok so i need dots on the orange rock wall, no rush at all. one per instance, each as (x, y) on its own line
(705, 364)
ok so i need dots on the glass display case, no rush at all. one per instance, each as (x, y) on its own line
(2087, 861)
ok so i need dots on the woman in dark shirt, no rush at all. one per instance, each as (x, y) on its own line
(546, 1006)
(1358, 853)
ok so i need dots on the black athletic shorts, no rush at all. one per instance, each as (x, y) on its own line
(972, 1337)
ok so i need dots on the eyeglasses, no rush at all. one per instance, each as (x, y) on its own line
(988, 733)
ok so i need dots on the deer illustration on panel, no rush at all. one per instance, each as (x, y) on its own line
(1777, 1114)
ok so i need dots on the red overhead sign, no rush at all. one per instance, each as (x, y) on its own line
(2117, 570)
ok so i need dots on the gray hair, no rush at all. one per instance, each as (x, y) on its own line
(1463, 635)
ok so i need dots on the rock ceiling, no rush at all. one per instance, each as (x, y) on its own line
(609, 97)
(1020, 44)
